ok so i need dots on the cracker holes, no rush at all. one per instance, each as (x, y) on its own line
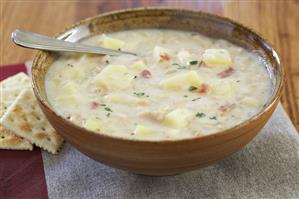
(11, 119)
(2, 137)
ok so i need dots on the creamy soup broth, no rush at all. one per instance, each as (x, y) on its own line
(181, 85)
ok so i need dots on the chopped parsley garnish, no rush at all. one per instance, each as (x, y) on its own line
(108, 109)
(195, 99)
(193, 62)
(108, 114)
(179, 66)
(213, 118)
(185, 95)
(200, 115)
(192, 88)
(139, 94)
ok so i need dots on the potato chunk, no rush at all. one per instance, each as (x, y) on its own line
(125, 99)
(181, 81)
(114, 77)
(77, 73)
(178, 118)
(95, 124)
(70, 95)
(143, 131)
(137, 66)
(115, 44)
(217, 57)
(70, 88)
(251, 102)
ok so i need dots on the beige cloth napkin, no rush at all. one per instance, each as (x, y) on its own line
(268, 167)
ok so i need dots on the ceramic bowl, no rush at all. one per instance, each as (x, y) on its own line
(161, 157)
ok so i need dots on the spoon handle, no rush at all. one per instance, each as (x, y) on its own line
(42, 42)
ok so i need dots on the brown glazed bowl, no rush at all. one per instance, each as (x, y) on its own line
(161, 157)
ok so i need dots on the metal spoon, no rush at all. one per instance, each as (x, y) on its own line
(42, 42)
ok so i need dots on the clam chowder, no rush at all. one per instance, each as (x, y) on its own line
(181, 85)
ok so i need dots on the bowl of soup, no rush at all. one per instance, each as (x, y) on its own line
(200, 88)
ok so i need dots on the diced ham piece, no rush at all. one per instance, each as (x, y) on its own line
(94, 105)
(203, 89)
(146, 74)
(226, 108)
(226, 73)
(164, 57)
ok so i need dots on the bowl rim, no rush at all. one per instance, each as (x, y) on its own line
(272, 100)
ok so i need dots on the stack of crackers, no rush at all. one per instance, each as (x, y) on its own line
(22, 122)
